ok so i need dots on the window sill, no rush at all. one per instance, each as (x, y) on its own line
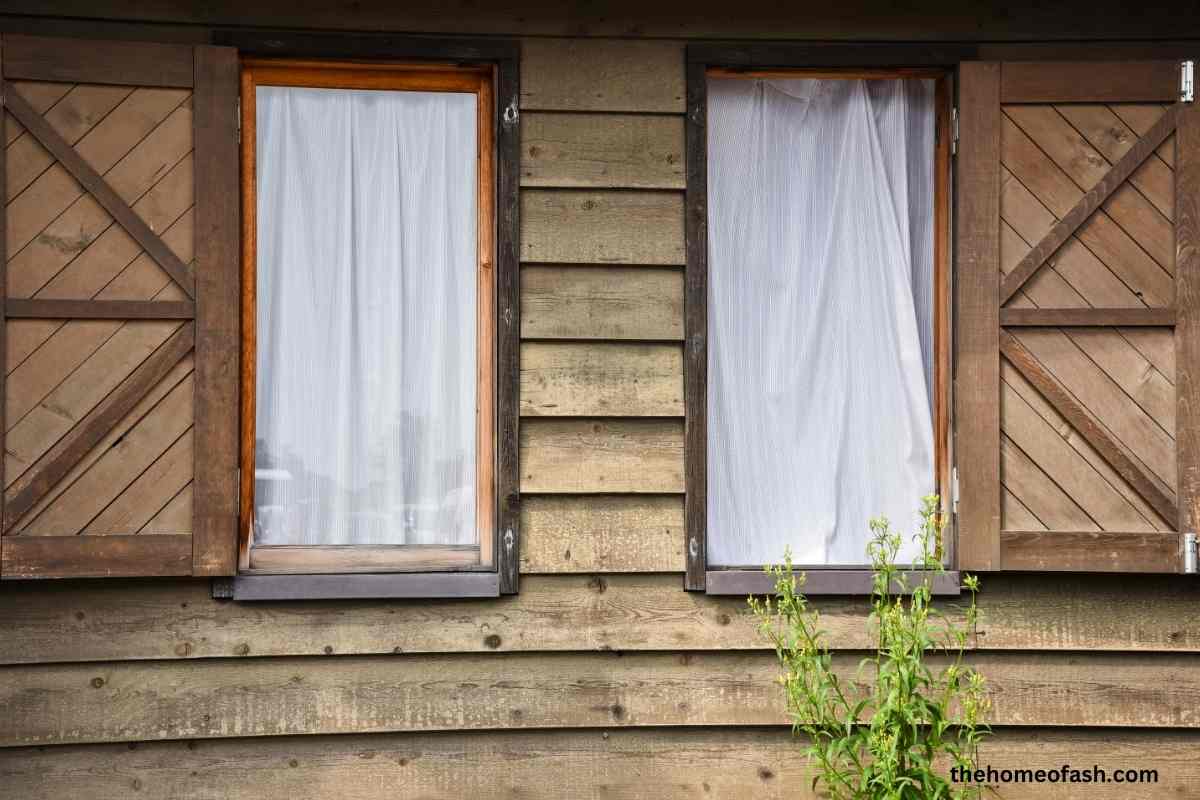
(819, 582)
(398, 585)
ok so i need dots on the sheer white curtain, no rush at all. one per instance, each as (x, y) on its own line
(366, 317)
(820, 366)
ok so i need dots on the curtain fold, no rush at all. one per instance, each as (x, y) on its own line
(365, 418)
(820, 314)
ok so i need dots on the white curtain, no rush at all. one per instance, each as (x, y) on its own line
(820, 366)
(366, 317)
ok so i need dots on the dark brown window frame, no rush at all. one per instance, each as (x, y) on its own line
(846, 61)
(501, 57)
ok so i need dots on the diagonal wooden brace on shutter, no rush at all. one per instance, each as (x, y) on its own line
(58, 461)
(95, 184)
(1087, 205)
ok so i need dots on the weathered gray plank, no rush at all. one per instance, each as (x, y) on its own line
(141, 701)
(591, 456)
(601, 380)
(601, 75)
(624, 764)
(602, 151)
(84, 621)
(573, 302)
(592, 227)
(606, 533)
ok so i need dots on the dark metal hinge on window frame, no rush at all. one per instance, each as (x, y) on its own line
(954, 131)
(239, 120)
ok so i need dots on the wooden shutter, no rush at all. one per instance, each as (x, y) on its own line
(1077, 338)
(120, 298)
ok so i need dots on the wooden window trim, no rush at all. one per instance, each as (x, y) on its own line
(775, 61)
(490, 70)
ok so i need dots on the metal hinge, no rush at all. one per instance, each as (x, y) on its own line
(239, 122)
(1189, 554)
(954, 490)
(954, 131)
(1187, 81)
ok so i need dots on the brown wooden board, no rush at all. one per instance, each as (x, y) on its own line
(154, 701)
(977, 369)
(117, 62)
(628, 764)
(1090, 82)
(1187, 331)
(120, 556)
(127, 620)
(215, 485)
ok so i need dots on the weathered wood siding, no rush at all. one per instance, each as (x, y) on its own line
(602, 678)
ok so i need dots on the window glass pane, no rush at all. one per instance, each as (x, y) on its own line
(366, 384)
(820, 351)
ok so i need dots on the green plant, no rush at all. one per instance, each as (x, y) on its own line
(897, 729)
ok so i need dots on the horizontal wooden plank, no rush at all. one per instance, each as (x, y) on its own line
(601, 380)
(128, 63)
(1073, 317)
(615, 763)
(1089, 82)
(99, 309)
(602, 75)
(599, 151)
(95, 556)
(573, 302)
(568, 226)
(601, 456)
(144, 701)
(601, 533)
(136, 620)
(1091, 551)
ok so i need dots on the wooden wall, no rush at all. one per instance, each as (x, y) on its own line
(602, 678)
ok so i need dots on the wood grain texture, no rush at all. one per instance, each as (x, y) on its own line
(42, 58)
(574, 302)
(215, 509)
(1091, 551)
(32, 486)
(618, 764)
(148, 701)
(1097, 435)
(602, 151)
(1187, 331)
(1087, 205)
(98, 188)
(601, 75)
(601, 456)
(99, 309)
(584, 227)
(4, 194)
(977, 379)
(1090, 82)
(1091, 317)
(120, 556)
(86, 621)
(601, 380)
(604, 534)
(695, 353)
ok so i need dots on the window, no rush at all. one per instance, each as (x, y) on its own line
(826, 317)
(370, 335)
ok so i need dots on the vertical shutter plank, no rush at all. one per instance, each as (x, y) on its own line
(1187, 327)
(215, 508)
(3, 303)
(977, 377)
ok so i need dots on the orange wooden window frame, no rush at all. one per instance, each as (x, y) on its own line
(942, 199)
(428, 77)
